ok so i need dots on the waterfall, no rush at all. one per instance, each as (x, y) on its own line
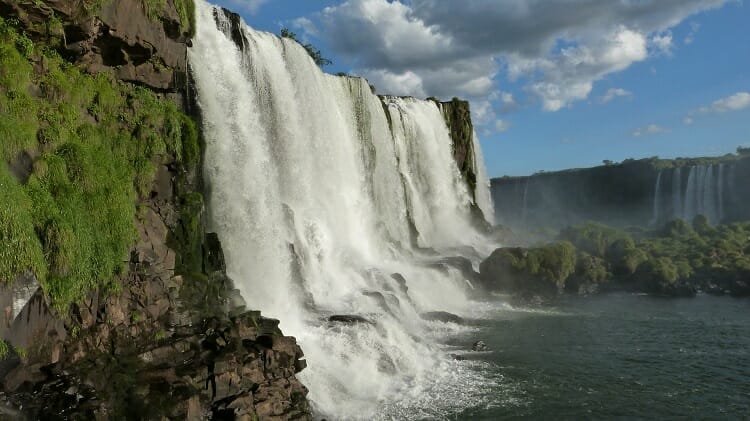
(525, 196)
(483, 192)
(720, 189)
(317, 188)
(657, 199)
(703, 193)
(690, 208)
(677, 207)
(709, 195)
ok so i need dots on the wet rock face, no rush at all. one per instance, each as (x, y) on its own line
(457, 116)
(150, 51)
(148, 353)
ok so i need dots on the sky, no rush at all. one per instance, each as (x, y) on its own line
(553, 84)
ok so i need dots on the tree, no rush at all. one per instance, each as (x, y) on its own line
(314, 53)
(743, 151)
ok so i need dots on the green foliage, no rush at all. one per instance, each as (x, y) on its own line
(20, 249)
(185, 10)
(675, 259)
(553, 262)
(624, 256)
(188, 235)
(592, 237)
(660, 271)
(21, 351)
(4, 350)
(160, 335)
(701, 225)
(314, 53)
(591, 269)
(95, 143)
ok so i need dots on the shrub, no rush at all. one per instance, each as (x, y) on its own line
(593, 238)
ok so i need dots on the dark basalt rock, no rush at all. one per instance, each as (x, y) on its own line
(119, 37)
(442, 316)
(479, 346)
(147, 353)
(462, 264)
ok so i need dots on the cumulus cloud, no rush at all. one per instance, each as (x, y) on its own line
(736, 102)
(556, 49)
(501, 126)
(687, 121)
(662, 42)
(651, 129)
(249, 6)
(694, 28)
(613, 93)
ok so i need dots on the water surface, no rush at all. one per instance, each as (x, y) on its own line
(622, 355)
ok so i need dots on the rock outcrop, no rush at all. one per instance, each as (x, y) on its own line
(457, 116)
(142, 46)
(166, 347)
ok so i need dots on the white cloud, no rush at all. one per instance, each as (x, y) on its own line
(687, 121)
(694, 28)
(501, 126)
(613, 93)
(407, 83)
(557, 49)
(736, 102)
(248, 6)
(651, 129)
(662, 42)
(306, 25)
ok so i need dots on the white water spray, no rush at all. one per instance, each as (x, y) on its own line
(316, 194)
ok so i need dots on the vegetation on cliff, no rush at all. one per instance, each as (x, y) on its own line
(314, 53)
(77, 152)
(676, 259)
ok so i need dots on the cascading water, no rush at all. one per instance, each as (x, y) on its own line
(677, 206)
(704, 193)
(657, 200)
(720, 188)
(483, 193)
(525, 197)
(317, 192)
(691, 206)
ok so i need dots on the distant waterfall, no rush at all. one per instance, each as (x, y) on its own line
(677, 206)
(317, 189)
(704, 193)
(691, 204)
(657, 200)
(720, 189)
(525, 201)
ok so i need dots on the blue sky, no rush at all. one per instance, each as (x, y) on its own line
(553, 84)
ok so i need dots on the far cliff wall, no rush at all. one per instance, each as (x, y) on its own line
(623, 194)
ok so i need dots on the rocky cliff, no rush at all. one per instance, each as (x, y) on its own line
(457, 116)
(116, 303)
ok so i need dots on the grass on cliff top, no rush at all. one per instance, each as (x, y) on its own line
(95, 144)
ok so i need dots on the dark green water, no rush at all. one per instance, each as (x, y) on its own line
(618, 356)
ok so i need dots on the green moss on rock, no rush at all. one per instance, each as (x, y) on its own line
(95, 144)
